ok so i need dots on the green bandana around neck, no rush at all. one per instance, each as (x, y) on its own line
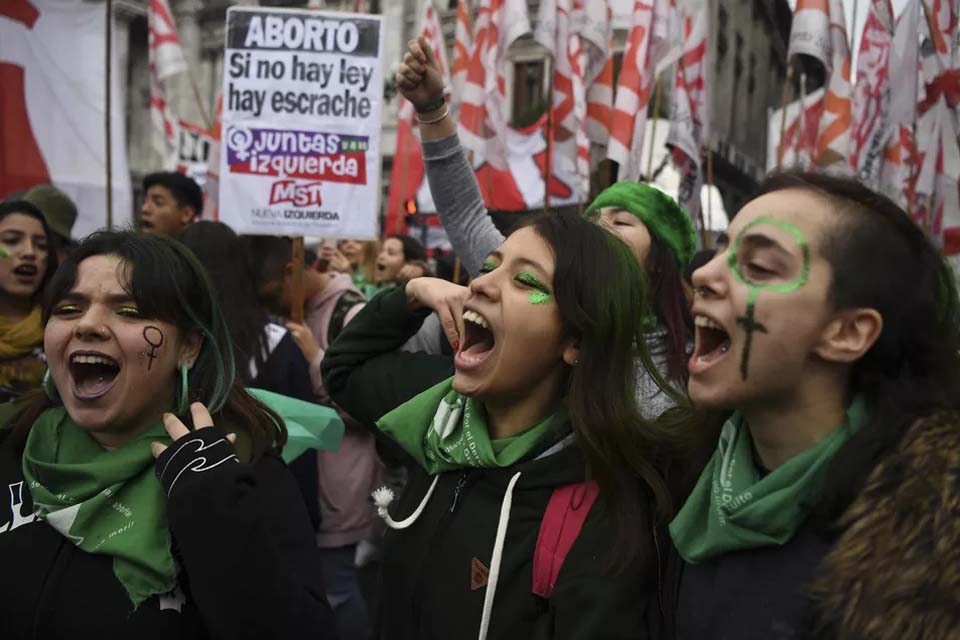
(733, 509)
(443, 431)
(105, 502)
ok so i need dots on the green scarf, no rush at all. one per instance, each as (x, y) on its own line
(444, 430)
(105, 502)
(733, 509)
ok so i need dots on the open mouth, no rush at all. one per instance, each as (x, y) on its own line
(712, 341)
(477, 342)
(93, 374)
(26, 270)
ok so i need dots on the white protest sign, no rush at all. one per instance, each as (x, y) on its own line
(193, 151)
(302, 100)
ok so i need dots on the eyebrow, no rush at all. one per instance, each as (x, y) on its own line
(113, 298)
(525, 261)
(760, 241)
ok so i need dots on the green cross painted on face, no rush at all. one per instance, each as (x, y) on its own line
(748, 321)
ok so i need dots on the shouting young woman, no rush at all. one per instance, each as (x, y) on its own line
(538, 419)
(829, 509)
(654, 226)
(123, 520)
(26, 264)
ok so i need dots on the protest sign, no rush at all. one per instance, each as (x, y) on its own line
(193, 151)
(302, 98)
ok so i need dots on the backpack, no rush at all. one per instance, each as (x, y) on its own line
(562, 521)
(344, 303)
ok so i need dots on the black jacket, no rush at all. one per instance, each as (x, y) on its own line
(432, 583)
(888, 570)
(240, 533)
(287, 372)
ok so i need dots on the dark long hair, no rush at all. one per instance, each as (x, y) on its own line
(881, 260)
(224, 256)
(412, 249)
(168, 283)
(601, 294)
(29, 209)
(668, 300)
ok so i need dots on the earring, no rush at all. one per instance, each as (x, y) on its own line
(50, 389)
(184, 397)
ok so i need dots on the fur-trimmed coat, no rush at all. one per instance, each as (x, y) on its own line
(894, 574)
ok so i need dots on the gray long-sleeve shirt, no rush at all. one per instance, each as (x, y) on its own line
(474, 236)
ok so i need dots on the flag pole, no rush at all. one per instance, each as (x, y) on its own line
(548, 161)
(707, 238)
(108, 64)
(657, 94)
(297, 296)
(784, 98)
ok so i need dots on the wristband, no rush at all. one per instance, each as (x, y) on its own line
(432, 106)
(443, 115)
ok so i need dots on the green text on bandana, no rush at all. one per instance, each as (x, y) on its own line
(733, 509)
(443, 430)
(104, 502)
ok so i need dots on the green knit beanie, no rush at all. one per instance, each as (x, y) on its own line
(660, 213)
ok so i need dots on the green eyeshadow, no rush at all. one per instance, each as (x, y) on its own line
(542, 293)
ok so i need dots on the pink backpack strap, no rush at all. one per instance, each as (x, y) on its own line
(562, 522)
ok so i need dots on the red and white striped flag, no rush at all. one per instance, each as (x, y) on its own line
(833, 139)
(796, 148)
(871, 97)
(165, 56)
(690, 118)
(819, 30)
(937, 193)
(408, 178)
(483, 110)
(593, 20)
(632, 95)
(569, 146)
(900, 168)
(462, 44)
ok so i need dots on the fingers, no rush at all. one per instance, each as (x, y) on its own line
(427, 52)
(416, 47)
(201, 416)
(156, 449)
(296, 330)
(410, 61)
(232, 437)
(174, 427)
(451, 327)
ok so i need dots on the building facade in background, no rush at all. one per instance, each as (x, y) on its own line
(747, 53)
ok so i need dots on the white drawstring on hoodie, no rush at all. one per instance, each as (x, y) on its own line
(384, 496)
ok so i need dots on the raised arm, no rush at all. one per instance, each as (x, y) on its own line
(452, 181)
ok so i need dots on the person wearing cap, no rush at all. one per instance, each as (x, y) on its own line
(172, 202)
(60, 213)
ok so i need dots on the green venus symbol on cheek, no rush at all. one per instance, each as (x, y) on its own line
(4, 253)
(748, 321)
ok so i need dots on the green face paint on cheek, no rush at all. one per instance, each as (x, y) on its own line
(542, 293)
(748, 321)
(4, 253)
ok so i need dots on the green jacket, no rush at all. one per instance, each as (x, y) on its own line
(433, 582)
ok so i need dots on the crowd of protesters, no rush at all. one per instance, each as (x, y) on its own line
(599, 433)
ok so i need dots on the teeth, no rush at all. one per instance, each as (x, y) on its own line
(475, 318)
(93, 360)
(704, 321)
